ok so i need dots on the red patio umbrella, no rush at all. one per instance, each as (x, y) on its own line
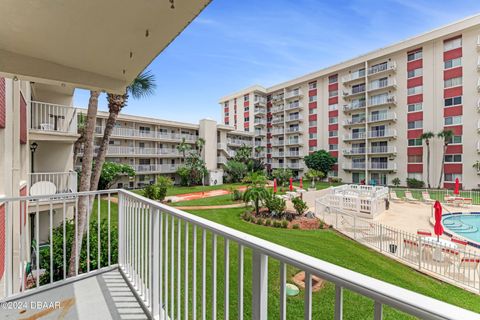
(275, 185)
(438, 228)
(301, 183)
(457, 187)
(291, 184)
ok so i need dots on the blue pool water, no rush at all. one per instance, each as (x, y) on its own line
(465, 225)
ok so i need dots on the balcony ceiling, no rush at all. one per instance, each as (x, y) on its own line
(89, 44)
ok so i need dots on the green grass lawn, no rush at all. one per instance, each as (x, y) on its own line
(175, 190)
(209, 201)
(318, 185)
(323, 244)
(437, 194)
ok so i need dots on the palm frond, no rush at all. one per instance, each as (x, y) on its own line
(143, 85)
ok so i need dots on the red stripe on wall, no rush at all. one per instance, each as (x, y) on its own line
(333, 140)
(246, 114)
(414, 82)
(333, 86)
(333, 100)
(312, 130)
(415, 99)
(312, 117)
(414, 167)
(312, 143)
(414, 151)
(414, 116)
(246, 103)
(453, 168)
(453, 111)
(312, 92)
(454, 149)
(333, 113)
(412, 65)
(246, 125)
(452, 92)
(452, 54)
(457, 130)
(452, 73)
(312, 105)
(333, 127)
(414, 134)
(335, 155)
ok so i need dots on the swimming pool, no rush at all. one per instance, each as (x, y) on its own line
(466, 225)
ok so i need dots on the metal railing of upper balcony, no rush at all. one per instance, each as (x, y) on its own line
(137, 133)
(383, 100)
(384, 116)
(371, 150)
(278, 154)
(293, 117)
(167, 256)
(293, 129)
(162, 168)
(354, 121)
(293, 141)
(260, 121)
(293, 105)
(381, 84)
(354, 136)
(278, 131)
(41, 183)
(51, 117)
(382, 133)
(354, 76)
(260, 110)
(354, 90)
(293, 93)
(292, 153)
(238, 142)
(354, 105)
(391, 65)
(278, 120)
(260, 100)
(277, 109)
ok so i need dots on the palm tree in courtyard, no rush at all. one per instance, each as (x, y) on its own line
(183, 147)
(200, 143)
(256, 191)
(447, 136)
(142, 86)
(427, 136)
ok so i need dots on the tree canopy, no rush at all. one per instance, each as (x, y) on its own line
(321, 161)
(111, 172)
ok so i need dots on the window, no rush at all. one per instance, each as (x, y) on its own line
(415, 175)
(449, 121)
(226, 114)
(312, 136)
(453, 82)
(246, 97)
(415, 90)
(452, 63)
(225, 104)
(414, 55)
(247, 109)
(333, 147)
(415, 124)
(333, 107)
(312, 148)
(333, 93)
(415, 73)
(333, 78)
(418, 158)
(333, 120)
(450, 177)
(414, 142)
(312, 123)
(415, 107)
(453, 158)
(312, 85)
(455, 140)
(312, 111)
(454, 101)
(246, 119)
(333, 133)
(312, 98)
(452, 44)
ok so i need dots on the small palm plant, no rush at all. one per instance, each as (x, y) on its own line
(313, 175)
(256, 191)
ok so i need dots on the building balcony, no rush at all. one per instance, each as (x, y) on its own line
(277, 131)
(148, 134)
(277, 98)
(382, 150)
(353, 152)
(387, 116)
(293, 105)
(380, 68)
(293, 94)
(259, 110)
(379, 85)
(359, 74)
(260, 133)
(260, 143)
(353, 121)
(158, 243)
(295, 117)
(354, 105)
(354, 136)
(222, 146)
(53, 119)
(260, 155)
(261, 101)
(353, 92)
(260, 122)
(388, 133)
(382, 166)
(277, 165)
(156, 168)
(278, 154)
(278, 120)
(389, 100)
(48, 183)
(292, 154)
(290, 142)
(237, 142)
(278, 143)
(293, 129)
(277, 109)
(294, 165)
(222, 160)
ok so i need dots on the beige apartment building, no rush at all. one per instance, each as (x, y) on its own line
(150, 146)
(369, 112)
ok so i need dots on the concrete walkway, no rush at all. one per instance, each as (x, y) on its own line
(103, 297)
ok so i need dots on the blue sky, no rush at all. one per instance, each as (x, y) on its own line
(235, 44)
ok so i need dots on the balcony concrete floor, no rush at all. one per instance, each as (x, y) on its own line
(104, 296)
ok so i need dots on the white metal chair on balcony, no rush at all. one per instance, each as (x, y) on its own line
(43, 188)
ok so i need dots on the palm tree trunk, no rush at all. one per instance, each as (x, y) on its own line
(77, 147)
(442, 168)
(116, 103)
(82, 209)
(428, 166)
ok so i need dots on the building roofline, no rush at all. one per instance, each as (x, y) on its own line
(411, 42)
(250, 89)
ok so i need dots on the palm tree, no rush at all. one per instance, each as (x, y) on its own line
(183, 147)
(476, 165)
(200, 143)
(312, 175)
(427, 136)
(81, 126)
(142, 86)
(85, 177)
(256, 191)
(447, 136)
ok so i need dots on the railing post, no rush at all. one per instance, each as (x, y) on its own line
(155, 256)
(381, 238)
(419, 253)
(259, 286)
(355, 226)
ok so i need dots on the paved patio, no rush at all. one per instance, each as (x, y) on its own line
(104, 296)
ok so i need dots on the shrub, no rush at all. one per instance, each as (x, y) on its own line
(396, 182)
(335, 180)
(268, 222)
(275, 205)
(237, 195)
(296, 226)
(284, 224)
(235, 170)
(321, 224)
(260, 221)
(151, 191)
(414, 183)
(299, 205)
(158, 191)
(277, 224)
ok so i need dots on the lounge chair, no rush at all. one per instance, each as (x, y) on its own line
(426, 197)
(393, 196)
(409, 197)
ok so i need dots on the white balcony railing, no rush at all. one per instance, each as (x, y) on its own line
(383, 100)
(162, 168)
(292, 153)
(278, 154)
(276, 165)
(293, 141)
(293, 105)
(353, 151)
(260, 110)
(293, 94)
(44, 183)
(277, 131)
(294, 129)
(384, 116)
(158, 135)
(354, 105)
(51, 117)
(294, 165)
(381, 84)
(278, 120)
(354, 90)
(260, 100)
(354, 76)
(354, 136)
(391, 65)
(388, 166)
(277, 109)
(294, 117)
(260, 121)
(222, 146)
(383, 150)
(382, 133)
(353, 165)
(354, 121)
(222, 159)
(157, 243)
